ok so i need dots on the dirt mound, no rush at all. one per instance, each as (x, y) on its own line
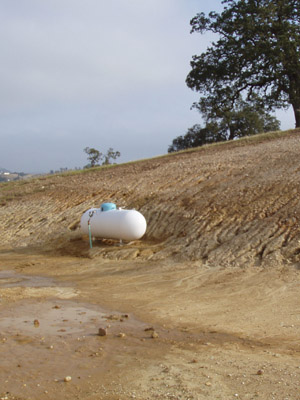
(223, 205)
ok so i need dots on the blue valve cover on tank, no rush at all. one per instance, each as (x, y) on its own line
(108, 206)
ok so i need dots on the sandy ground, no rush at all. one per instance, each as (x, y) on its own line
(205, 306)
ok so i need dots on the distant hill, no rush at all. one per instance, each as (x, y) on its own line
(7, 176)
(2, 170)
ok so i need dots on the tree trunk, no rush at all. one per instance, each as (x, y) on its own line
(231, 133)
(296, 107)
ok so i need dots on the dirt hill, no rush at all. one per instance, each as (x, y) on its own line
(222, 205)
(204, 306)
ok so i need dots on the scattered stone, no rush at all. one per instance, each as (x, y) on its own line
(125, 316)
(112, 317)
(36, 323)
(95, 355)
(260, 372)
(208, 384)
(194, 361)
(154, 335)
(121, 335)
(149, 329)
(57, 307)
(102, 332)
(67, 379)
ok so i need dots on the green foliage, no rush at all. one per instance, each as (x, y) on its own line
(111, 154)
(197, 136)
(257, 53)
(244, 120)
(94, 156)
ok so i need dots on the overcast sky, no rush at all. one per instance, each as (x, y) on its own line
(95, 73)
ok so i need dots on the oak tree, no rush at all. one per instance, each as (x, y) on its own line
(244, 120)
(256, 54)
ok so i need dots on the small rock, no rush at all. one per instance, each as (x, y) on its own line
(121, 335)
(208, 384)
(260, 372)
(102, 332)
(154, 335)
(36, 322)
(149, 329)
(113, 317)
(67, 379)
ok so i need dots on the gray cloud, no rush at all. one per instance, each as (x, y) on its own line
(77, 73)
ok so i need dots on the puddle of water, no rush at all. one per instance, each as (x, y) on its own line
(64, 317)
(53, 317)
(10, 279)
(50, 320)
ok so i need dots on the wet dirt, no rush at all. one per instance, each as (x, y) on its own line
(13, 279)
(43, 342)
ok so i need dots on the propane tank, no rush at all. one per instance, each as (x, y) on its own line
(108, 222)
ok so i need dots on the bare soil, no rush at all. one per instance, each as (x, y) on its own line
(205, 306)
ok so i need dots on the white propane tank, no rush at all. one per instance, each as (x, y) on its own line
(114, 223)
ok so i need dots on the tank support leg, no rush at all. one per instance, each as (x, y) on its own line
(90, 237)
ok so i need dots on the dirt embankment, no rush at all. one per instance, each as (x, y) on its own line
(205, 306)
(223, 206)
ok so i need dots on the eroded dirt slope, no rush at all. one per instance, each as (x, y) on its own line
(205, 306)
(226, 205)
